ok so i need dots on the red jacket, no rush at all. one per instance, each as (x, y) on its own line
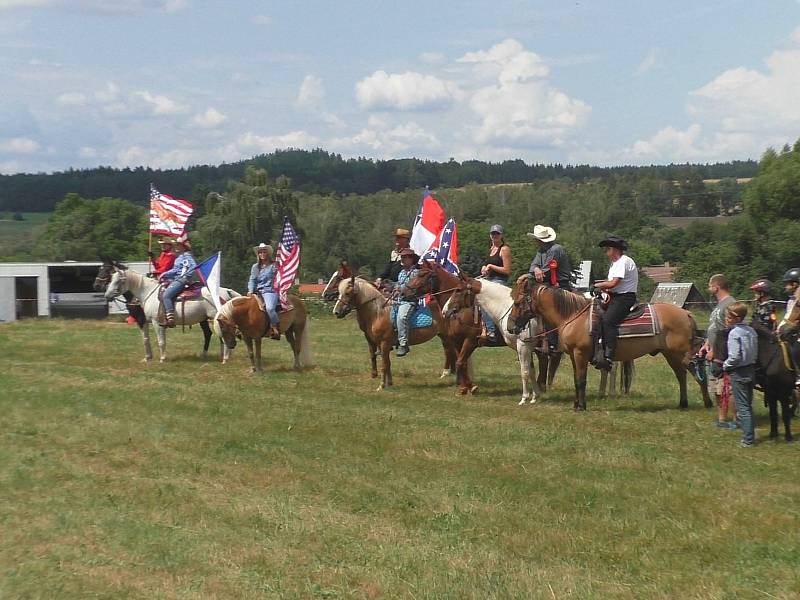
(163, 263)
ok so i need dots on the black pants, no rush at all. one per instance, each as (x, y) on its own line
(617, 310)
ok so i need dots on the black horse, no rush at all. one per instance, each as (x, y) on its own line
(135, 309)
(775, 380)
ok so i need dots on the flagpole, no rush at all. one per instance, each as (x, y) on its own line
(150, 232)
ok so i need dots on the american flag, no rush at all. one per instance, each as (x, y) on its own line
(288, 260)
(168, 215)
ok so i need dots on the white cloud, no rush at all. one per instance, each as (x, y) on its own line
(71, 99)
(648, 62)
(522, 109)
(257, 143)
(261, 20)
(432, 58)
(404, 92)
(311, 94)
(209, 119)
(109, 93)
(160, 105)
(19, 145)
(87, 152)
(382, 140)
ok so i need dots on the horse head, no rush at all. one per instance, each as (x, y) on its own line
(347, 297)
(224, 326)
(522, 310)
(463, 297)
(103, 275)
(331, 291)
(425, 281)
(118, 284)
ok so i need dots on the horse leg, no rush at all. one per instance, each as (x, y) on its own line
(462, 365)
(206, 337)
(257, 342)
(386, 365)
(544, 362)
(249, 342)
(604, 383)
(290, 337)
(580, 364)
(524, 354)
(771, 400)
(552, 367)
(449, 358)
(786, 413)
(161, 336)
(373, 358)
(148, 349)
(679, 368)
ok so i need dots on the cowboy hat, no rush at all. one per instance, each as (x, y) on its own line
(543, 233)
(408, 252)
(614, 241)
(402, 233)
(262, 247)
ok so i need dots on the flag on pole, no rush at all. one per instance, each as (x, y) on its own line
(447, 253)
(428, 225)
(209, 273)
(168, 215)
(288, 260)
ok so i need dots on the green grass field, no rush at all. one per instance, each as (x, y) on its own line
(18, 237)
(197, 480)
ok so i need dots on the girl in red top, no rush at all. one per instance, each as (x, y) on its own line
(166, 259)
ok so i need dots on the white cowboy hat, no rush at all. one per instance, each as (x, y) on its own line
(262, 246)
(543, 234)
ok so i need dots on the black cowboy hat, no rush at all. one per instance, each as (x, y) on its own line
(614, 241)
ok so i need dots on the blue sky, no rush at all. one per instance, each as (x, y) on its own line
(170, 83)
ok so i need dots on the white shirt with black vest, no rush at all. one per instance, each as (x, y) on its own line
(626, 270)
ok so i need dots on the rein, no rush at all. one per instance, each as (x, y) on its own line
(572, 319)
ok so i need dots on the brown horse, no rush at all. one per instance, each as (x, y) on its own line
(373, 315)
(331, 293)
(245, 316)
(677, 340)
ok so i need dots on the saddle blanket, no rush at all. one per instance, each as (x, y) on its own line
(642, 322)
(421, 317)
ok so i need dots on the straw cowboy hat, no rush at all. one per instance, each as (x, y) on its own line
(543, 234)
(408, 252)
(261, 247)
(402, 233)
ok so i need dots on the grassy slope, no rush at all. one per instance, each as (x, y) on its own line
(18, 237)
(195, 480)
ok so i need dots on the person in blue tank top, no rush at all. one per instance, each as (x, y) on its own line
(180, 274)
(405, 304)
(262, 277)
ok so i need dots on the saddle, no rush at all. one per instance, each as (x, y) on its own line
(421, 317)
(192, 291)
(641, 321)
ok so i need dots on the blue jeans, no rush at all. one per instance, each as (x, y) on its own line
(271, 304)
(742, 386)
(171, 292)
(404, 310)
(491, 328)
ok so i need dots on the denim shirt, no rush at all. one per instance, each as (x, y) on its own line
(261, 278)
(184, 267)
(742, 347)
(405, 276)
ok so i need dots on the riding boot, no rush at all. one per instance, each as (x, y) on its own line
(274, 333)
(169, 318)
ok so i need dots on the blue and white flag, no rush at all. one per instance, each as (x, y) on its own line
(209, 273)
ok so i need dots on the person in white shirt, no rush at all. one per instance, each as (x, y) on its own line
(622, 284)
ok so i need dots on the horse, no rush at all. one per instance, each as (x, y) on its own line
(677, 340)
(245, 315)
(495, 299)
(776, 381)
(373, 315)
(135, 309)
(331, 293)
(146, 289)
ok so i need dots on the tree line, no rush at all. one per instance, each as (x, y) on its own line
(321, 172)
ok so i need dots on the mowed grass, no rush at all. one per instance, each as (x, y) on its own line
(197, 480)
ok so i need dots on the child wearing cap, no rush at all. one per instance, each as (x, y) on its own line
(405, 304)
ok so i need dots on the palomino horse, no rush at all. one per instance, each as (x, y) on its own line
(245, 315)
(677, 340)
(373, 315)
(331, 293)
(146, 289)
(495, 299)
(135, 310)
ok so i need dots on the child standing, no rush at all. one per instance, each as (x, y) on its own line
(740, 364)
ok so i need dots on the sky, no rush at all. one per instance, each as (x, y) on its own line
(173, 83)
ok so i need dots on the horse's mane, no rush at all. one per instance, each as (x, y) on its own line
(566, 303)
(227, 308)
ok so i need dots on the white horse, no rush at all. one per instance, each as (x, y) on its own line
(495, 299)
(146, 289)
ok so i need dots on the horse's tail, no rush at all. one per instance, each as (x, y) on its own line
(305, 357)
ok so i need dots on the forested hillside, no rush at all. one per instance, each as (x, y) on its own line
(321, 172)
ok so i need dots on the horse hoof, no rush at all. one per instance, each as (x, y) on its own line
(789, 438)
(445, 374)
(147, 360)
(374, 375)
(521, 402)
(473, 389)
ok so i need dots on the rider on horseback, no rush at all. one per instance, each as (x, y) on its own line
(405, 303)
(764, 314)
(388, 278)
(789, 334)
(262, 276)
(622, 284)
(166, 259)
(497, 268)
(181, 274)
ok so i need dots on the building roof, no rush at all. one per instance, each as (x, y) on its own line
(312, 288)
(679, 294)
(660, 273)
